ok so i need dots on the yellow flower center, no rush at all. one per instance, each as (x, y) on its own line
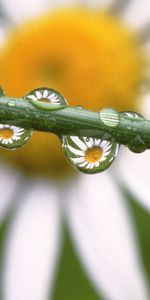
(6, 133)
(93, 154)
(89, 57)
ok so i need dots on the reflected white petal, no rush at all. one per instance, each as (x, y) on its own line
(32, 245)
(45, 94)
(75, 151)
(102, 231)
(134, 169)
(79, 143)
(32, 97)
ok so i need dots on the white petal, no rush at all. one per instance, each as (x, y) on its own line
(137, 13)
(10, 182)
(105, 154)
(134, 169)
(103, 158)
(83, 164)
(38, 94)
(75, 151)
(104, 144)
(97, 164)
(32, 97)
(32, 245)
(79, 143)
(78, 160)
(45, 94)
(52, 96)
(102, 231)
(89, 142)
(145, 105)
(22, 10)
(96, 3)
(97, 142)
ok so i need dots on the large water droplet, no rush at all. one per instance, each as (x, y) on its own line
(89, 155)
(13, 137)
(138, 145)
(47, 97)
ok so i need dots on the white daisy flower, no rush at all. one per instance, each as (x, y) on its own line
(9, 134)
(96, 212)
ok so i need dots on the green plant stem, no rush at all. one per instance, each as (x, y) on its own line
(75, 121)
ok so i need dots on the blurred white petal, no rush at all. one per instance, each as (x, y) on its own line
(3, 32)
(32, 245)
(102, 231)
(145, 105)
(10, 181)
(137, 13)
(96, 4)
(134, 169)
(18, 10)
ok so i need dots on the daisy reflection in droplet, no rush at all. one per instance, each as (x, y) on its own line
(89, 155)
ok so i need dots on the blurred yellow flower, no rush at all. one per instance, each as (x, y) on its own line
(89, 56)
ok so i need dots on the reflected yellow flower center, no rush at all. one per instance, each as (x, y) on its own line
(90, 57)
(6, 133)
(93, 154)
(44, 100)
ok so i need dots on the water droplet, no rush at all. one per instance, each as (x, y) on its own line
(11, 103)
(13, 137)
(47, 97)
(137, 149)
(132, 115)
(109, 117)
(138, 145)
(89, 155)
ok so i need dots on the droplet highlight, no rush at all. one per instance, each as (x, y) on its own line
(89, 155)
(13, 137)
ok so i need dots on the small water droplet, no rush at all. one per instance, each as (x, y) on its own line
(136, 149)
(132, 115)
(11, 103)
(109, 117)
(13, 137)
(46, 96)
(138, 145)
(89, 155)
